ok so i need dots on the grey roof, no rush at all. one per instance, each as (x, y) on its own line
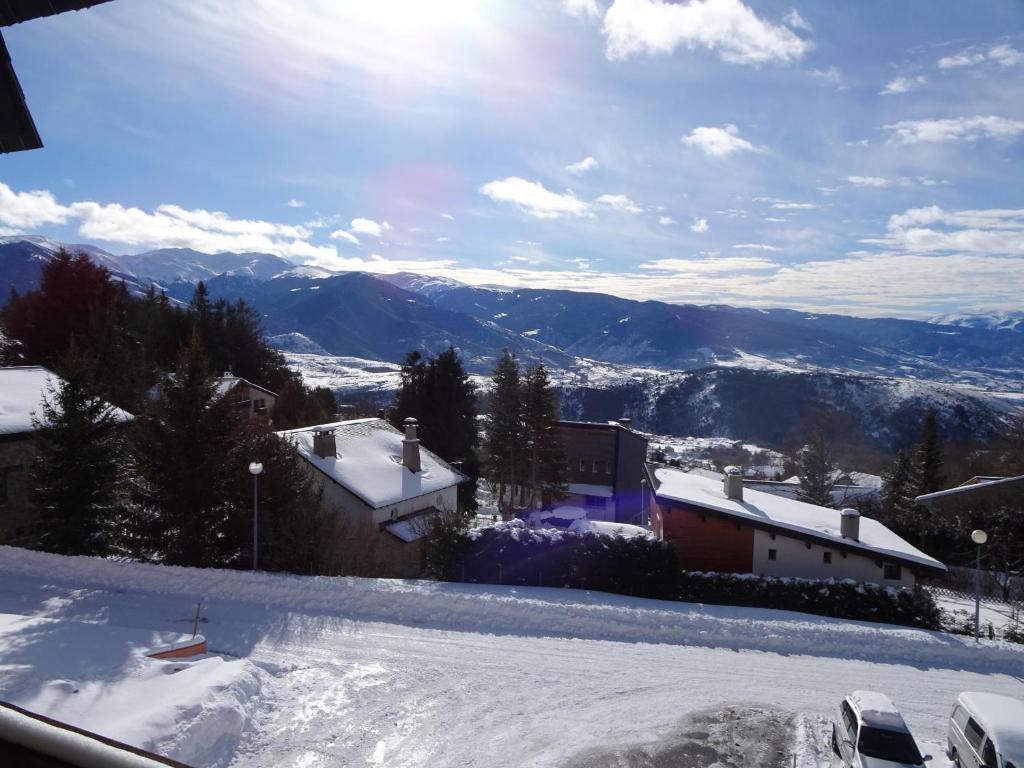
(980, 491)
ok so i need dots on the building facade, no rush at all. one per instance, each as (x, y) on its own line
(716, 524)
(606, 469)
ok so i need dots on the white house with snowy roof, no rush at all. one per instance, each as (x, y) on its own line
(385, 487)
(716, 524)
(22, 391)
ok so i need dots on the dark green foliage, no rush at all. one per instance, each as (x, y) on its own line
(545, 470)
(301, 406)
(898, 508)
(513, 554)
(183, 447)
(505, 438)
(79, 443)
(928, 459)
(844, 599)
(439, 394)
(816, 469)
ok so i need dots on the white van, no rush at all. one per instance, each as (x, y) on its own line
(986, 730)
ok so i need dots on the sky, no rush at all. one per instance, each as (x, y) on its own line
(860, 157)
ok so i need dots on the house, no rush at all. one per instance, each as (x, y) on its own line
(385, 487)
(978, 491)
(242, 394)
(22, 390)
(717, 524)
(606, 469)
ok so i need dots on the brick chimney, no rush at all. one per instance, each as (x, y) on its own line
(411, 446)
(732, 483)
(325, 444)
(850, 526)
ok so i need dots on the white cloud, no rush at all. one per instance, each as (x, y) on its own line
(718, 142)
(586, 164)
(534, 199)
(710, 265)
(994, 231)
(868, 181)
(368, 227)
(586, 9)
(903, 85)
(785, 205)
(955, 129)
(293, 203)
(1003, 55)
(341, 234)
(727, 27)
(447, 216)
(27, 210)
(829, 76)
(796, 21)
(666, 221)
(699, 226)
(618, 203)
(441, 240)
(756, 247)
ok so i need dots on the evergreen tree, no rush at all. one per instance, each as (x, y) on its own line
(928, 459)
(79, 448)
(505, 433)
(898, 508)
(186, 472)
(816, 469)
(545, 473)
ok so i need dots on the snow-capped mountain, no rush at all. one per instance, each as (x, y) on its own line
(995, 321)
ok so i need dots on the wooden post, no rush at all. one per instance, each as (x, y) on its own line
(195, 622)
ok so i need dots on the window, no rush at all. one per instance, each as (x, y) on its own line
(596, 470)
(5, 474)
(893, 746)
(826, 558)
(892, 571)
(583, 465)
(773, 554)
(974, 735)
(988, 755)
(607, 467)
(849, 720)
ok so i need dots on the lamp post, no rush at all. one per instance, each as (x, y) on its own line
(645, 518)
(979, 537)
(255, 468)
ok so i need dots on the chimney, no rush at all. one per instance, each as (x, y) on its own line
(625, 422)
(733, 483)
(411, 446)
(324, 443)
(850, 527)
(381, 413)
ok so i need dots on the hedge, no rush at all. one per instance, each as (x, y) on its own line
(642, 566)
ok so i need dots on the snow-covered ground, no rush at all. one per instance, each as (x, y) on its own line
(998, 615)
(362, 672)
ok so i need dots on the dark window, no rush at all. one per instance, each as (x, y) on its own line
(596, 470)
(826, 557)
(894, 746)
(607, 467)
(5, 474)
(892, 571)
(974, 735)
(583, 465)
(772, 554)
(594, 501)
(988, 755)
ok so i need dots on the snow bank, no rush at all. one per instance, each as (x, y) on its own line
(98, 677)
(531, 611)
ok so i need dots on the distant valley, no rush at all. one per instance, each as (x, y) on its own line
(676, 369)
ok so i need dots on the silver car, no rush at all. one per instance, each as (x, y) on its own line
(870, 733)
(986, 731)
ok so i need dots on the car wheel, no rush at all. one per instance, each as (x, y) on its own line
(956, 759)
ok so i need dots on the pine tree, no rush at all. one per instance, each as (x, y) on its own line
(545, 473)
(928, 459)
(185, 470)
(505, 434)
(79, 447)
(897, 500)
(817, 470)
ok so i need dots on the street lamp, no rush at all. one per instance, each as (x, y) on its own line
(255, 468)
(979, 537)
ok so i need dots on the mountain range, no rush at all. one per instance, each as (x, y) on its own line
(682, 369)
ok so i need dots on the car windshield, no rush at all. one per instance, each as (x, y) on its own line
(895, 746)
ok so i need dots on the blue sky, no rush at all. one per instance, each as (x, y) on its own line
(860, 157)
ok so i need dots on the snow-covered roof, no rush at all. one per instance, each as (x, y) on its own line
(589, 489)
(1001, 717)
(224, 384)
(369, 462)
(785, 514)
(983, 487)
(22, 390)
(878, 710)
(414, 526)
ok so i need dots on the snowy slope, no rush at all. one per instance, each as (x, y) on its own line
(371, 672)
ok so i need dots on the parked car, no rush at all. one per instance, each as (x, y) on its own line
(986, 730)
(870, 733)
